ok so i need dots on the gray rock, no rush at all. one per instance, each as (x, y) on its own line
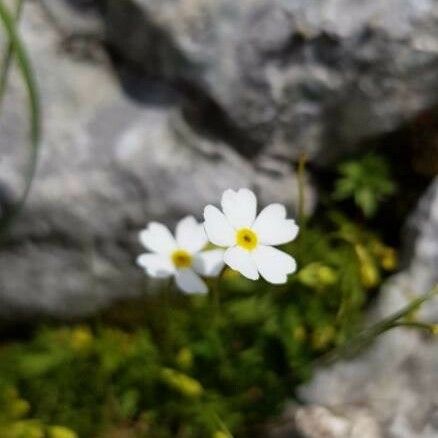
(397, 378)
(421, 246)
(74, 17)
(113, 158)
(224, 92)
(320, 422)
(315, 421)
(288, 76)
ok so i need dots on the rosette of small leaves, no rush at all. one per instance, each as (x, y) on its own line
(366, 180)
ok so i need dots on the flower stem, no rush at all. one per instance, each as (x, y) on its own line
(367, 336)
(215, 295)
(217, 291)
(415, 324)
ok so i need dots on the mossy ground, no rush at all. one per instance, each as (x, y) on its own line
(171, 365)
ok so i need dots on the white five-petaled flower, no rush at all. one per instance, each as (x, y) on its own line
(180, 256)
(250, 239)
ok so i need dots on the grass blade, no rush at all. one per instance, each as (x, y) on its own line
(6, 63)
(20, 54)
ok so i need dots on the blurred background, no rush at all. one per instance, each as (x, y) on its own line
(116, 113)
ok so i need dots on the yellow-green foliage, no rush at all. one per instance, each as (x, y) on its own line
(182, 366)
(173, 365)
(15, 423)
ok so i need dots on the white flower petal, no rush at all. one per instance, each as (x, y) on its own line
(217, 227)
(157, 238)
(190, 235)
(240, 260)
(190, 282)
(156, 265)
(239, 207)
(209, 263)
(274, 265)
(273, 228)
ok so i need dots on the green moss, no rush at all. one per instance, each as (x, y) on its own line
(175, 365)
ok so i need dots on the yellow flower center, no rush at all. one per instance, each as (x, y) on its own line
(181, 258)
(247, 239)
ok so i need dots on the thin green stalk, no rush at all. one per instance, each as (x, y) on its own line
(215, 295)
(367, 336)
(415, 324)
(24, 66)
(7, 57)
(223, 427)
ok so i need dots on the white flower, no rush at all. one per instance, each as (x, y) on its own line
(250, 239)
(180, 256)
